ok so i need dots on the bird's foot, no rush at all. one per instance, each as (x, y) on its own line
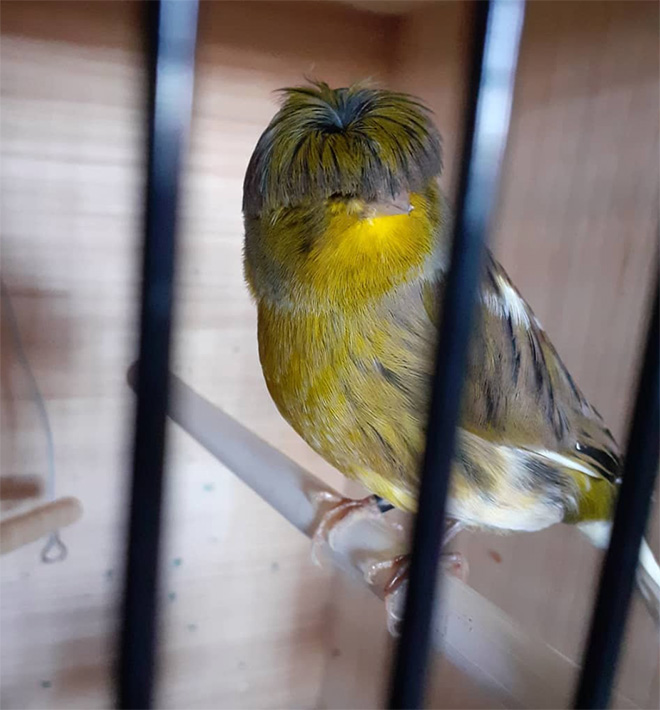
(453, 563)
(342, 513)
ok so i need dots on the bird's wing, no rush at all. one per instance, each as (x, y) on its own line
(518, 392)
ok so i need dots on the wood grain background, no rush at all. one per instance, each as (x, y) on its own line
(247, 620)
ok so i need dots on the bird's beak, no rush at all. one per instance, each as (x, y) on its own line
(400, 205)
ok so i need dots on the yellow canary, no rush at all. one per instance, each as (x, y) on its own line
(347, 238)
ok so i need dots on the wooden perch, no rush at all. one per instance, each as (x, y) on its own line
(20, 530)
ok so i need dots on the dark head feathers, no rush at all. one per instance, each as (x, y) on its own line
(356, 141)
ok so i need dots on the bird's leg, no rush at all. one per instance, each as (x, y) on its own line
(342, 513)
(453, 563)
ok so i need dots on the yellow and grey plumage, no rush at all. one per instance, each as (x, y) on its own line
(346, 250)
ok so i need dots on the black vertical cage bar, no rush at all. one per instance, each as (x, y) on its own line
(618, 574)
(497, 30)
(172, 30)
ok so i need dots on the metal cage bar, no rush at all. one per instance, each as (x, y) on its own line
(618, 574)
(172, 28)
(497, 30)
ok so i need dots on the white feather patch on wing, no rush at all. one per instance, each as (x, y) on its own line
(567, 462)
(507, 304)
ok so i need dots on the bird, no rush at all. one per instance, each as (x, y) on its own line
(346, 252)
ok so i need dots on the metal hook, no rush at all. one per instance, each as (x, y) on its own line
(54, 550)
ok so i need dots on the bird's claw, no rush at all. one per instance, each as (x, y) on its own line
(395, 589)
(341, 513)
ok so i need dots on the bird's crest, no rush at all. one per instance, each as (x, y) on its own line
(357, 141)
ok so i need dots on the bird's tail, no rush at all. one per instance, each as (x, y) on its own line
(648, 580)
(648, 570)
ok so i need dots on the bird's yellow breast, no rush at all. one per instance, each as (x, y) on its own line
(323, 372)
(306, 361)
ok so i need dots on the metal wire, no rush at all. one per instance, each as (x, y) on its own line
(172, 35)
(54, 549)
(498, 26)
(618, 574)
